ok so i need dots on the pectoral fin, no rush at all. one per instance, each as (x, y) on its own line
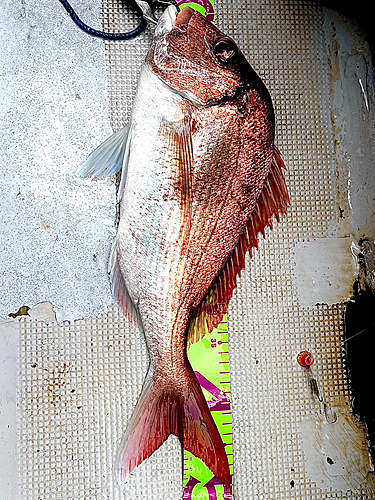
(179, 148)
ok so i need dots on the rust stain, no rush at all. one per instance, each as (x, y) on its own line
(56, 382)
(22, 311)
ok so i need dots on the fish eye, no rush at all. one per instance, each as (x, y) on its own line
(225, 49)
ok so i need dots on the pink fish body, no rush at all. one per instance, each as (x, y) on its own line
(201, 178)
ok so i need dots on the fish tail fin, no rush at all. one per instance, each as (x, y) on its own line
(200, 434)
(147, 429)
(162, 411)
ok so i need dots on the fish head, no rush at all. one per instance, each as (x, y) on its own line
(197, 60)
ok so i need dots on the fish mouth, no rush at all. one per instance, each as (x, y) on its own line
(170, 20)
(183, 18)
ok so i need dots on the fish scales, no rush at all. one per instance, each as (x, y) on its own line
(200, 178)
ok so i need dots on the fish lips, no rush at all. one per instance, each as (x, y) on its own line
(196, 60)
(171, 19)
(183, 18)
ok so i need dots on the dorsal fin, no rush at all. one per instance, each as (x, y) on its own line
(272, 201)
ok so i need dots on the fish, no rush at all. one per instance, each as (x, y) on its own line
(201, 178)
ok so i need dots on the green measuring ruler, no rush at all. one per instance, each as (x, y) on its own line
(210, 360)
(205, 7)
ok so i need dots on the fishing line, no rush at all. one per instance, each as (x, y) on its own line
(101, 34)
(113, 36)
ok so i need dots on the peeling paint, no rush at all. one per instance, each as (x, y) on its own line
(43, 312)
(324, 271)
(336, 455)
(366, 257)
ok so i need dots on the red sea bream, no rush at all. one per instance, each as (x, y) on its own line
(201, 177)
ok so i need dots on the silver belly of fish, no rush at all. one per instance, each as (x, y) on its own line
(149, 234)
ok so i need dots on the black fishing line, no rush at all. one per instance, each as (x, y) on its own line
(101, 34)
(112, 36)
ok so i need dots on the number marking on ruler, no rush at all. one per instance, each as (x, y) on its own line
(207, 357)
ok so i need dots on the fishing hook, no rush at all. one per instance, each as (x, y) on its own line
(147, 12)
(147, 15)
